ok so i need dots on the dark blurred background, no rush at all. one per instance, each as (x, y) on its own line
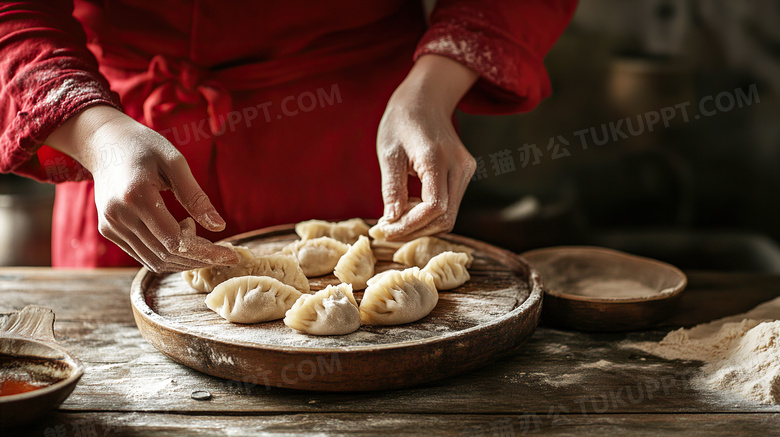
(700, 193)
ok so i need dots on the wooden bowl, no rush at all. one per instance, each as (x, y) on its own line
(27, 342)
(597, 289)
(488, 317)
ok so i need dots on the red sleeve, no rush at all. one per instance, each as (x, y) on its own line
(46, 76)
(505, 42)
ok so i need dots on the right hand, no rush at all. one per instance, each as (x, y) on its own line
(131, 164)
(416, 136)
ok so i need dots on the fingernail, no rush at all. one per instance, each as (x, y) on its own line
(391, 211)
(216, 220)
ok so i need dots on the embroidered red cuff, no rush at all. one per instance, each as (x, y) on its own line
(49, 106)
(512, 78)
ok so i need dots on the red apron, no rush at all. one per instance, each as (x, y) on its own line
(270, 142)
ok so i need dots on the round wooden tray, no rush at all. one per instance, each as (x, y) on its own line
(477, 323)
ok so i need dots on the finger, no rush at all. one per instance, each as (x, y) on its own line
(160, 230)
(140, 241)
(459, 175)
(173, 258)
(445, 222)
(394, 166)
(192, 197)
(434, 204)
(189, 242)
(114, 238)
(126, 238)
(458, 179)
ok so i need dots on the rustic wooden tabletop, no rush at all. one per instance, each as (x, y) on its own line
(559, 383)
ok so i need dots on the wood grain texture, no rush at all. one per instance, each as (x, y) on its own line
(488, 317)
(134, 390)
(464, 425)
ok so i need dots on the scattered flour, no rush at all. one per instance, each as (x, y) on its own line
(741, 353)
(600, 364)
(563, 380)
(615, 288)
(148, 387)
(555, 348)
(611, 367)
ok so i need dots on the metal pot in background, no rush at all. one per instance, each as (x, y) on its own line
(25, 221)
(640, 83)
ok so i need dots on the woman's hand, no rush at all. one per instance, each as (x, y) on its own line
(416, 137)
(131, 211)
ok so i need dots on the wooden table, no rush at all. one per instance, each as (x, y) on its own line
(559, 383)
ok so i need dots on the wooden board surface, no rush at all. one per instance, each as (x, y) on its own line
(579, 380)
(486, 318)
(462, 425)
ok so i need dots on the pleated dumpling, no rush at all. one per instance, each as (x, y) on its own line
(318, 256)
(357, 265)
(399, 297)
(448, 270)
(205, 279)
(419, 251)
(252, 299)
(374, 279)
(346, 231)
(283, 268)
(330, 311)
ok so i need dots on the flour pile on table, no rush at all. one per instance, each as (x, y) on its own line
(741, 353)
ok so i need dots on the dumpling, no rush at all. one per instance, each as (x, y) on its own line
(318, 256)
(384, 250)
(372, 280)
(331, 311)
(419, 251)
(281, 267)
(205, 279)
(448, 270)
(399, 297)
(357, 265)
(252, 299)
(347, 231)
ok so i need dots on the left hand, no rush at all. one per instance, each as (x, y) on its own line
(416, 136)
